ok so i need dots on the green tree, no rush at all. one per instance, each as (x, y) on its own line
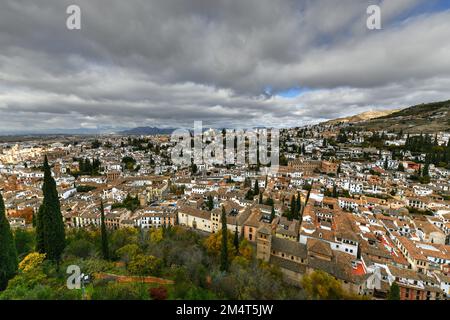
(247, 183)
(272, 214)
(335, 193)
(394, 292)
(194, 168)
(269, 202)
(129, 162)
(426, 170)
(24, 239)
(33, 220)
(105, 246)
(256, 188)
(8, 253)
(224, 248)
(236, 239)
(210, 203)
(50, 233)
(293, 208)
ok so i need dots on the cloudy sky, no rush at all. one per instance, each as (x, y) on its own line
(230, 63)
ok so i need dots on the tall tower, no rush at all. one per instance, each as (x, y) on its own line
(263, 243)
(142, 200)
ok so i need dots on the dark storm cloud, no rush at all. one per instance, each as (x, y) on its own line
(171, 62)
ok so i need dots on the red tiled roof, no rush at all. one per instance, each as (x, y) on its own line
(359, 270)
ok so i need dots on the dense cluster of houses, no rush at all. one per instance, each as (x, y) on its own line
(364, 222)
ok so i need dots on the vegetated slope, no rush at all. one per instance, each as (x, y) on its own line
(426, 118)
(362, 116)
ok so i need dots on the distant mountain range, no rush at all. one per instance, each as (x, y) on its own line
(425, 118)
(148, 131)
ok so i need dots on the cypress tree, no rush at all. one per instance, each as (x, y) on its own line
(309, 193)
(236, 239)
(224, 251)
(8, 253)
(50, 234)
(33, 220)
(269, 202)
(256, 187)
(105, 246)
(335, 194)
(210, 203)
(293, 209)
(426, 170)
(272, 214)
(247, 183)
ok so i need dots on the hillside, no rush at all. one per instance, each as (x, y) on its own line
(362, 116)
(426, 118)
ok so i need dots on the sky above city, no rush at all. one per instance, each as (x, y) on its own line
(228, 63)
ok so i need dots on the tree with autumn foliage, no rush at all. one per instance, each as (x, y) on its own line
(213, 245)
(322, 286)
